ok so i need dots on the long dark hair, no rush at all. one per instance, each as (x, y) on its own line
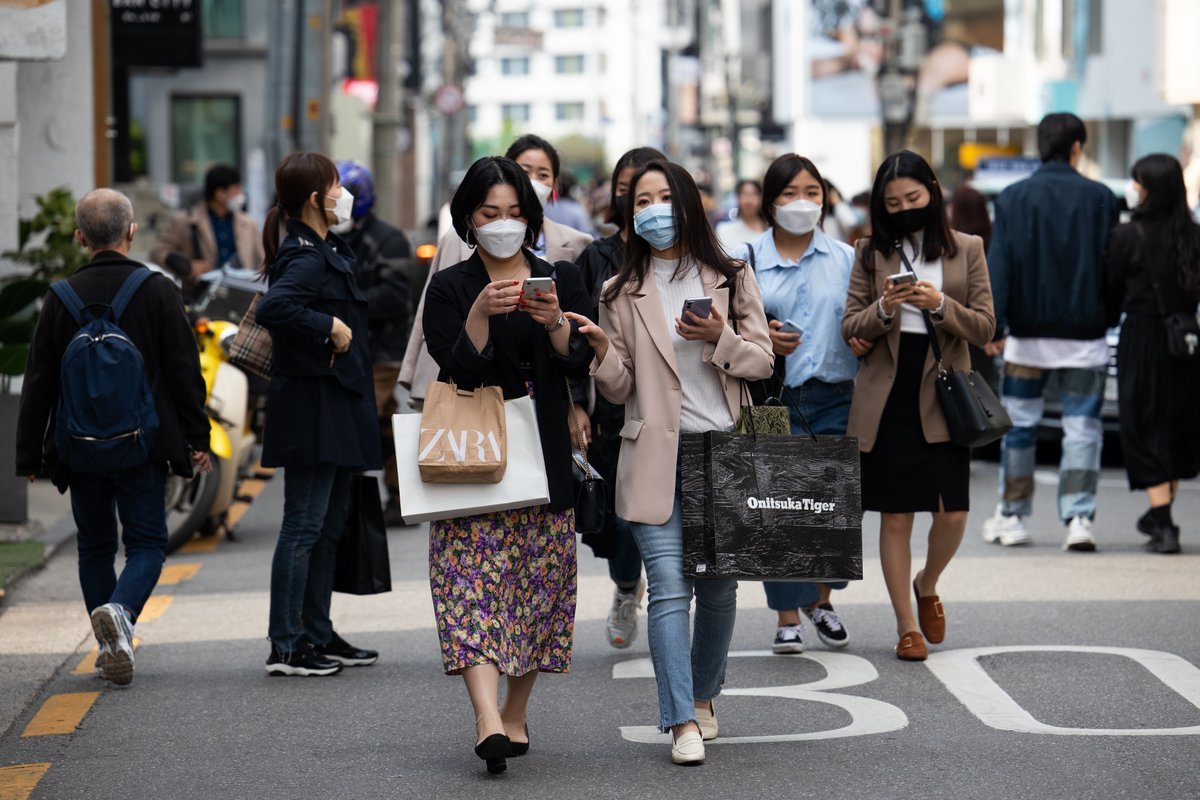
(939, 238)
(783, 171)
(695, 240)
(1166, 199)
(969, 213)
(296, 178)
(532, 141)
(485, 173)
(637, 158)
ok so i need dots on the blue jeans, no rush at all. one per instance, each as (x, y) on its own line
(314, 513)
(687, 668)
(625, 563)
(136, 496)
(1082, 392)
(826, 406)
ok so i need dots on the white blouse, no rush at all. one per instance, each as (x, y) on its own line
(911, 319)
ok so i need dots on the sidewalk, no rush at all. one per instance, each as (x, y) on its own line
(28, 546)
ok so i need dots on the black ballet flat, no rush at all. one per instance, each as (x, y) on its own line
(521, 748)
(494, 749)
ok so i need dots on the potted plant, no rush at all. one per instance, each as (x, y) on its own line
(49, 251)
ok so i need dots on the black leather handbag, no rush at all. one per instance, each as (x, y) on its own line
(974, 415)
(591, 492)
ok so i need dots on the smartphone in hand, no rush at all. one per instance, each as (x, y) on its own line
(903, 278)
(791, 327)
(532, 285)
(700, 306)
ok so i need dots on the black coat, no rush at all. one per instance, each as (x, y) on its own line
(321, 408)
(379, 253)
(1139, 254)
(157, 324)
(448, 301)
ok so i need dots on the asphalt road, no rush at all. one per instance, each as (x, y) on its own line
(1090, 689)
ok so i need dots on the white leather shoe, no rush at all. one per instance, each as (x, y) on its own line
(707, 720)
(688, 749)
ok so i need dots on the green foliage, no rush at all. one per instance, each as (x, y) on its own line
(49, 248)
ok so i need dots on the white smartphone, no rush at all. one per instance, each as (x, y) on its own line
(700, 306)
(903, 278)
(542, 285)
(791, 327)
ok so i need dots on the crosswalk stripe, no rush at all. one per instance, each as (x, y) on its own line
(155, 607)
(88, 665)
(61, 713)
(201, 544)
(178, 573)
(251, 487)
(18, 781)
(235, 513)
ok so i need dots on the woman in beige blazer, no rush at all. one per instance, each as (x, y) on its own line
(676, 373)
(909, 464)
(558, 242)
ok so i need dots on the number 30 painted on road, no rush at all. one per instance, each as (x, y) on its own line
(958, 670)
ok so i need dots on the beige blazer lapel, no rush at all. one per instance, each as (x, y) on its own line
(648, 303)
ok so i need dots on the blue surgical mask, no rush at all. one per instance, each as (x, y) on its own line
(656, 224)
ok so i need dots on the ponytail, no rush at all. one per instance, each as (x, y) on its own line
(270, 237)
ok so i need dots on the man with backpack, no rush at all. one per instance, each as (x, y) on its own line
(112, 399)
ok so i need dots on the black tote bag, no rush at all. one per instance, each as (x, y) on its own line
(362, 553)
(771, 507)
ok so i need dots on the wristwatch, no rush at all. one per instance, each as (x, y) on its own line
(561, 321)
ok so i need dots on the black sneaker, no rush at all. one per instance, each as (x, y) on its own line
(829, 625)
(346, 654)
(304, 661)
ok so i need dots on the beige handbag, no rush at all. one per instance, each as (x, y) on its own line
(463, 439)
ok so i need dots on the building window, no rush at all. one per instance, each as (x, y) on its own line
(221, 19)
(205, 130)
(568, 112)
(568, 65)
(514, 19)
(515, 112)
(568, 18)
(514, 66)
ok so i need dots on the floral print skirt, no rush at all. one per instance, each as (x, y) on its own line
(504, 590)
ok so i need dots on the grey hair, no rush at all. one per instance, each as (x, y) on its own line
(103, 217)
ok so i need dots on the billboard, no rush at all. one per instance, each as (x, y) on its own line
(934, 41)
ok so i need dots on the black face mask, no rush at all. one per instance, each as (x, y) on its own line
(620, 208)
(911, 220)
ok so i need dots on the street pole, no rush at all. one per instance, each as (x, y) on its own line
(388, 119)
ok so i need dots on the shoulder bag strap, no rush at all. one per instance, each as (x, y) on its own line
(933, 339)
(1141, 257)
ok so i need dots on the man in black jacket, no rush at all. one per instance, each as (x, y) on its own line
(1047, 268)
(156, 324)
(379, 252)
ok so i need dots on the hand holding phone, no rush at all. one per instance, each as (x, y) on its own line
(903, 278)
(534, 285)
(701, 307)
(790, 327)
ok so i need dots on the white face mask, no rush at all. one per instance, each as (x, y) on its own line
(1133, 198)
(342, 227)
(343, 204)
(541, 190)
(502, 238)
(236, 202)
(798, 217)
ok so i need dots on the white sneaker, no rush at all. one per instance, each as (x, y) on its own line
(789, 640)
(1079, 536)
(113, 629)
(706, 718)
(688, 749)
(1009, 531)
(101, 661)
(622, 617)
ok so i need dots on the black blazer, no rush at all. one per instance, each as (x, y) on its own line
(448, 300)
(319, 412)
(158, 326)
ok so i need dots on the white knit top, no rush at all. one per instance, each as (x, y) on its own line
(704, 407)
(911, 318)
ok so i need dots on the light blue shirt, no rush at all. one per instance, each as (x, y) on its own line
(812, 294)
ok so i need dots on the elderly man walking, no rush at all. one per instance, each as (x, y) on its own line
(113, 343)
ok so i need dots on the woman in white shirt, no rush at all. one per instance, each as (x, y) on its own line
(747, 222)
(676, 372)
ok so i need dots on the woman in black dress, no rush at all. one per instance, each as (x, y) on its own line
(909, 464)
(1153, 271)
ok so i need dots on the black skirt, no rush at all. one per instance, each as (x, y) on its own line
(1159, 406)
(903, 473)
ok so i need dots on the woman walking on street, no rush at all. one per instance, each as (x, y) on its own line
(909, 464)
(599, 262)
(676, 372)
(503, 583)
(804, 273)
(1153, 272)
(322, 425)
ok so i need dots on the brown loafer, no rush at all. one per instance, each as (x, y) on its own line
(931, 615)
(912, 647)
